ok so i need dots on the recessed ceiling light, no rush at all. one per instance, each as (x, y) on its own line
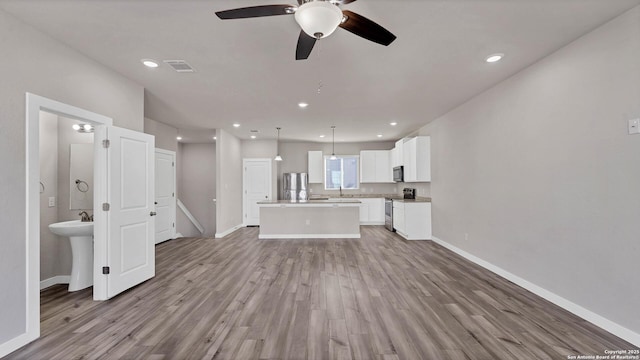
(303, 105)
(236, 125)
(379, 135)
(393, 123)
(253, 136)
(215, 138)
(75, 127)
(149, 63)
(178, 138)
(494, 58)
(321, 136)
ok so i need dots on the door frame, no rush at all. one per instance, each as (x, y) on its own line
(175, 198)
(245, 207)
(35, 104)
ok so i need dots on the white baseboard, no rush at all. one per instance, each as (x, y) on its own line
(178, 235)
(60, 279)
(310, 236)
(588, 315)
(227, 232)
(367, 223)
(16, 343)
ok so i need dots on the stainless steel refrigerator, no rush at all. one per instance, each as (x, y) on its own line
(295, 186)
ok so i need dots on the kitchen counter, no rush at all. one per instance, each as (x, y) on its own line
(311, 202)
(314, 219)
(416, 200)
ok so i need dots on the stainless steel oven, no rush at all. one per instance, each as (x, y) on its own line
(388, 214)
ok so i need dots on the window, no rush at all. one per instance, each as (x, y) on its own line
(341, 172)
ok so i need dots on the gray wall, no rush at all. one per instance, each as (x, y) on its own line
(49, 242)
(542, 175)
(66, 76)
(295, 159)
(228, 181)
(197, 187)
(165, 134)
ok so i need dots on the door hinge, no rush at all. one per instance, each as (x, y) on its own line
(106, 270)
(174, 225)
(173, 194)
(105, 206)
(106, 143)
(173, 163)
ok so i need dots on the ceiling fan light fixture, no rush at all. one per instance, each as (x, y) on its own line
(318, 19)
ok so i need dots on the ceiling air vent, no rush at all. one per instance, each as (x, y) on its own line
(180, 66)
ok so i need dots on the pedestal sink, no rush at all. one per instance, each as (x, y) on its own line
(80, 235)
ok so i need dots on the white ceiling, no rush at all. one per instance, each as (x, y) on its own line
(246, 72)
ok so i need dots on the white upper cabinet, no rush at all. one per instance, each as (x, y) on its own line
(375, 166)
(417, 159)
(397, 157)
(315, 167)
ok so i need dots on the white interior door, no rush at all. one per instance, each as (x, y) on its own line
(257, 187)
(165, 198)
(126, 256)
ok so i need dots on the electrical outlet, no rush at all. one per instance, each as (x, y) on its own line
(308, 222)
(634, 126)
(466, 236)
(52, 201)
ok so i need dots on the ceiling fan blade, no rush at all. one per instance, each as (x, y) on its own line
(366, 28)
(342, 2)
(305, 45)
(256, 11)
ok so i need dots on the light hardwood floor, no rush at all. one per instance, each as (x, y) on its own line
(379, 297)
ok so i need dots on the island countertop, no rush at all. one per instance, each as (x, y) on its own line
(329, 202)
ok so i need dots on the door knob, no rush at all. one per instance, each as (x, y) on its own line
(155, 203)
(153, 213)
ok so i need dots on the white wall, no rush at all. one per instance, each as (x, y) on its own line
(541, 174)
(228, 181)
(65, 76)
(197, 187)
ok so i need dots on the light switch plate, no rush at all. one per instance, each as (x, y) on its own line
(634, 126)
(52, 201)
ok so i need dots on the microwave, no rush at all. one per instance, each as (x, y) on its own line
(398, 174)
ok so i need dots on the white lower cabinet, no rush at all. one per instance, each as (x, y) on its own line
(412, 220)
(371, 211)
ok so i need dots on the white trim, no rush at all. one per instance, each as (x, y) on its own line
(309, 236)
(16, 343)
(33, 105)
(178, 235)
(227, 232)
(367, 223)
(190, 216)
(588, 315)
(60, 279)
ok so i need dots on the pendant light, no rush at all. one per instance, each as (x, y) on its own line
(333, 144)
(278, 157)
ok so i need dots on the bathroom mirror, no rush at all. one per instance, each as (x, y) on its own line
(81, 177)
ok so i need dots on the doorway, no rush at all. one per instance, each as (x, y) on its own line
(165, 200)
(257, 184)
(123, 208)
(36, 104)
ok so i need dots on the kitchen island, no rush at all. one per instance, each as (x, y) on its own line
(313, 219)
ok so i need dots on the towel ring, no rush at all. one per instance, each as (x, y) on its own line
(82, 186)
(41, 187)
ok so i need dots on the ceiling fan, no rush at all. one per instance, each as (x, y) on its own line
(318, 19)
